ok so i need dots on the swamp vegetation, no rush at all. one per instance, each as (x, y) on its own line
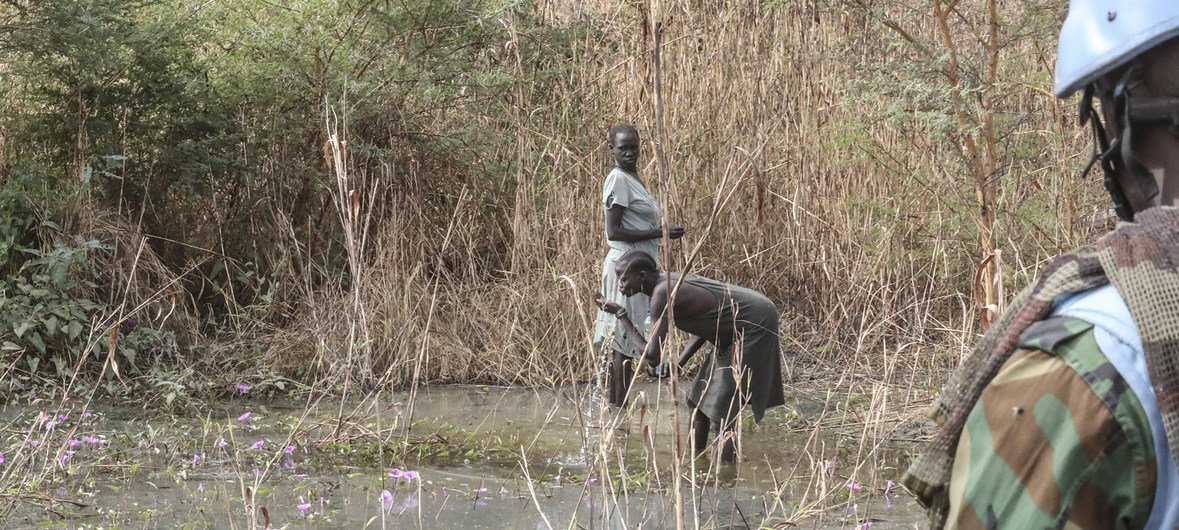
(294, 222)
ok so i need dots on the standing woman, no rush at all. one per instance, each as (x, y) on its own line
(633, 222)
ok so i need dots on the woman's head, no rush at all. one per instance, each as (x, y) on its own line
(637, 273)
(623, 140)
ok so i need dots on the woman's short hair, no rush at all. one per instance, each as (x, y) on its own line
(637, 261)
(619, 129)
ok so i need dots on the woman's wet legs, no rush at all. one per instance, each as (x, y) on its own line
(621, 371)
(702, 427)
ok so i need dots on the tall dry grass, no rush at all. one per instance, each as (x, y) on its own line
(847, 197)
(811, 155)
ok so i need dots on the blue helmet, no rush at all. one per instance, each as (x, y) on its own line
(1100, 35)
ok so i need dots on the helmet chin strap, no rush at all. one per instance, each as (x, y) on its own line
(1118, 155)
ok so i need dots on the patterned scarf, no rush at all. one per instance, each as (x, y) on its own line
(1141, 260)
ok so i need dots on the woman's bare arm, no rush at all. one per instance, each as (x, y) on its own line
(615, 231)
(693, 346)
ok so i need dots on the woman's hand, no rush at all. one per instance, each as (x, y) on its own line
(607, 305)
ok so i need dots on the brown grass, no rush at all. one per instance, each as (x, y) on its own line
(852, 213)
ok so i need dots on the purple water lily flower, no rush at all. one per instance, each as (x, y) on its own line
(1, 458)
(257, 444)
(386, 500)
(245, 417)
(290, 449)
(303, 506)
(196, 460)
(92, 440)
(220, 443)
(854, 486)
(396, 473)
(243, 389)
(406, 503)
(74, 442)
(411, 475)
(889, 486)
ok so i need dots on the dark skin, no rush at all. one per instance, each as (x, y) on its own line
(1154, 145)
(689, 302)
(625, 148)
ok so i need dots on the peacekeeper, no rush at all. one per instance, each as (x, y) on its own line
(1066, 414)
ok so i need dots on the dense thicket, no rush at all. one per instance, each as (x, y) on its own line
(372, 191)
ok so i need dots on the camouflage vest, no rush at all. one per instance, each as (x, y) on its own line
(1141, 259)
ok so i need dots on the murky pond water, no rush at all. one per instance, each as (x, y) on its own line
(452, 457)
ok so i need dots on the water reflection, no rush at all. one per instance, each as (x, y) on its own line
(489, 458)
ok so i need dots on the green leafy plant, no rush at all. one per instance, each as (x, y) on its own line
(40, 312)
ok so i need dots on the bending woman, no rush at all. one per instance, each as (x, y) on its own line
(633, 222)
(740, 323)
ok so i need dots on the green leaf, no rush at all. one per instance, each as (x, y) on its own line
(51, 325)
(35, 338)
(19, 329)
(74, 329)
(114, 160)
(60, 272)
(10, 346)
(129, 354)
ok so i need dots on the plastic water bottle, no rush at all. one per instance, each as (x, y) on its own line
(647, 323)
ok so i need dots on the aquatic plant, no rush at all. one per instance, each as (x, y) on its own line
(386, 500)
(407, 475)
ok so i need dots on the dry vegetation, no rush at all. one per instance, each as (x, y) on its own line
(827, 153)
(855, 160)
(812, 153)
